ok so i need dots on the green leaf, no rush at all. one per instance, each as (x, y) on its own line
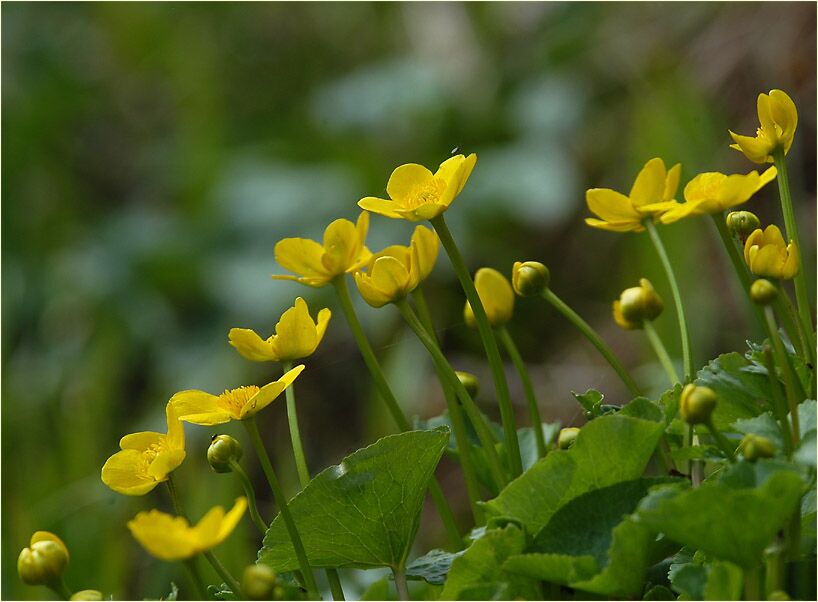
(689, 580)
(608, 450)
(381, 589)
(723, 518)
(221, 592)
(528, 441)
(590, 401)
(709, 453)
(807, 451)
(363, 512)
(725, 581)
(807, 416)
(478, 573)
(741, 391)
(432, 566)
(644, 408)
(764, 425)
(659, 592)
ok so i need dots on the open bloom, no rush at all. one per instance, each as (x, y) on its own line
(417, 194)
(172, 538)
(146, 459)
(768, 255)
(495, 294)
(203, 408)
(714, 192)
(651, 195)
(778, 118)
(317, 264)
(296, 336)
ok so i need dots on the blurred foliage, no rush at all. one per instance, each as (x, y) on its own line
(154, 153)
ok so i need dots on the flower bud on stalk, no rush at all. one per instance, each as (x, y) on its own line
(470, 382)
(258, 582)
(742, 223)
(697, 404)
(89, 595)
(637, 305)
(763, 292)
(754, 447)
(44, 561)
(529, 278)
(223, 449)
(567, 437)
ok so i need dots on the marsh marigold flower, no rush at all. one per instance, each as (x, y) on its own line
(417, 194)
(200, 407)
(317, 264)
(172, 538)
(768, 255)
(296, 336)
(778, 118)
(44, 560)
(714, 192)
(637, 304)
(650, 196)
(529, 278)
(496, 295)
(146, 459)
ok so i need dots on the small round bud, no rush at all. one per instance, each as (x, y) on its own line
(529, 278)
(567, 437)
(697, 404)
(88, 594)
(754, 447)
(470, 382)
(223, 449)
(637, 304)
(742, 223)
(258, 582)
(778, 595)
(44, 561)
(763, 292)
(279, 593)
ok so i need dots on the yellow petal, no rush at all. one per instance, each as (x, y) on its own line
(390, 276)
(38, 536)
(380, 206)
(321, 324)
(455, 172)
(672, 182)
(165, 462)
(216, 526)
(496, 295)
(124, 472)
(141, 441)
(406, 179)
(765, 117)
(630, 226)
(610, 205)
(428, 245)
(784, 114)
(164, 536)
(754, 240)
(681, 211)
(199, 407)
(176, 430)
(649, 186)
(756, 149)
(424, 212)
(251, 346)
(341, 246)
(368, 292)
(302, 256)
(296, 335)
(267, 394)
(792, 263)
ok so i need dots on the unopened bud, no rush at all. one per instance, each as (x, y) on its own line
(44, 561)
(258, 581)
(567, 437)
(470, 382)
(742, 223)
(88, 594)
(697, 404)
(763, 292)
(223, 449)
(754, 447)
(637, 304)
(778, 595)
(529, 278)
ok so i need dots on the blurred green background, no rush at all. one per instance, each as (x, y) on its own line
(154, 154)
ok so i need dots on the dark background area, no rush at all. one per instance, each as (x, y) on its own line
(154, 153)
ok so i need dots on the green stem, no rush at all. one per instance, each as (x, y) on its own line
(400, 583)
(174, 497)
(489, 343)
(594, 338)
(722, 442)
(281, 502)
(684, 332)
(774, 573)
(61, 589)
(528, 387)
(779, 400)
(477, 419)
(661, 352)
(752, 584)
(784, 365)
(251, 495)
(295, 432)
(455, 416)
(392, 405)
(335, 585)
(792, 324)
(801, 296)
(196, 578)
(231, 581)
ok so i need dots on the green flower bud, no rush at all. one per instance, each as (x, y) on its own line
(697, 404)
(637, 304)
(88, 594)
(778, 595)
(742, 223)
(223, 449)
(44, 561)
(754, 447)
(470, 382)
(258, 582)
(529, 278)
(763, 292)
(279, 593)
(567, 437)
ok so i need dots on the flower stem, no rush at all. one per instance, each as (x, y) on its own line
(335, 585)
(722, 441)
(789, 319)
(231, 581)
(489, 343)
(752, 584)
(779, 401)
(60, 588)
(801, 296)
(784, 365)
(281, 502)
(295, 433)
(455, 416)
(251, 495)
(196, 578)
(661, 352)
(684, 332)
(400, 583)
(594, 338)
(174, 497)
(528, 387)
(477, 419)
(392, 405)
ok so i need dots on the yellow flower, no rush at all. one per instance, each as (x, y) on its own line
(172, 538)
(713, 192)
(146, 459)
(495, 294)
(389, 278)
(205, 409)
(768, 255)
(318, 264)
(637, 304)
(778, 118)
(651, 195)
(417, 194)
(296, 336)
(44, 561)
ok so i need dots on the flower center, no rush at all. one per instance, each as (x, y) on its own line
(428, 192)
(236, 399)
(149, 455)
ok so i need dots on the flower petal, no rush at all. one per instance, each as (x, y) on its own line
(268, 393)
(380, 206)
(164, 536)
(165, 463)
(631, 226)
(141, 441)
(124, 472)
(406, 179)
(672, 182)
(496, 294)
(251, 346)
(199, 407)
(649, 186)
(756, 149)
(301, 256)
(295, 333)
(610, 205)
(428, 246)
